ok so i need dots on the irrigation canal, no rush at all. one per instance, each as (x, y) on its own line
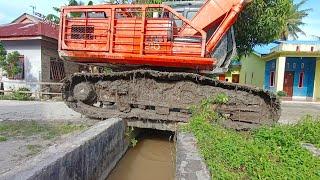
(152, 158)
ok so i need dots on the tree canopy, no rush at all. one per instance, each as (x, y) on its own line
(54, 18)
(3, 52)
(9, 62)
(262, 22)
(294, 21)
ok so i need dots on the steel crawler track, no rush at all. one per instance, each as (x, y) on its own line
(166, 96)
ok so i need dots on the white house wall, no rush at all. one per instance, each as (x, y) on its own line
(293, 47)
(31, 50)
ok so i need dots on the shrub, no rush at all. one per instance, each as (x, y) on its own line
(2, 138)
(221, 98)
(19, 95)
(281, 94)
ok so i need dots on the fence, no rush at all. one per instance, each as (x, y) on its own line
(48, 89)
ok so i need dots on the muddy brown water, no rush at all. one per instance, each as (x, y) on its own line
(151, 159)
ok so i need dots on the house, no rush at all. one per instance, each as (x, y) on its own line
(37, 43)
(252, 70)
(233, 74)
(289, 66)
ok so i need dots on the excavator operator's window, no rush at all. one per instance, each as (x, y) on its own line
(101, 15)
(73, 15)
(191, 14)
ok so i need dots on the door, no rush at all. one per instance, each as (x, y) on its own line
(288, 83)
(235, 78)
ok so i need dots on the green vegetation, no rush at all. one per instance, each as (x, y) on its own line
(55, 19)
(107, 70)
(221, 98)
(33, 128)
(264, 21)
(10, 62)
(281, 94)
(34, 149)
(3, 138)
(294, 21)
(131, 137)
(19, 95)
(3, 52)
(266, 153)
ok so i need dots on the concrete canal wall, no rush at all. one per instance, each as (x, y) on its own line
(89, 155)
(189, 163)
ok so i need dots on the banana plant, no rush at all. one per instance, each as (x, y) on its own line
(55, 19)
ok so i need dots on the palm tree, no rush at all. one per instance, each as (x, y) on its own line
(54, 18)
(294, 21)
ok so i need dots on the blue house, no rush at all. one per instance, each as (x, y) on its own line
(290, 66)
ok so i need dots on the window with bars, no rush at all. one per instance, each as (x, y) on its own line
(57, 72)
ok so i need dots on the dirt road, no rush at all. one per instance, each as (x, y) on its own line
(35, 110)
(292, 111)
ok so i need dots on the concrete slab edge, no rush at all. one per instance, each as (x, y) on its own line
(189, 163)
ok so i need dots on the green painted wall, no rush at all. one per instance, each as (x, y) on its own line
(252, 70)
(316, 92)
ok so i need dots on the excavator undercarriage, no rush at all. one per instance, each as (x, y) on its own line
(166, 96)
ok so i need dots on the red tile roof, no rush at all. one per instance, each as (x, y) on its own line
(20, 30)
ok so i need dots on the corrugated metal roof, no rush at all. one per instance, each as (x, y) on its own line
(265, 49)
(28, 16)
(29, 30)
(300, 42)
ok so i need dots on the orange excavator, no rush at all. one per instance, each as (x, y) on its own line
(160, 56)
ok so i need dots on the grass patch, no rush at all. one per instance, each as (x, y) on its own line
(266, 153)
(32, 128)
(18, 95)
(3, 138)
(33, 149)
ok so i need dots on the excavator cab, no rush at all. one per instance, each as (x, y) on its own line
(225, 50)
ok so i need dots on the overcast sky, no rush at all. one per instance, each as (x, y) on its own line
(11, 9)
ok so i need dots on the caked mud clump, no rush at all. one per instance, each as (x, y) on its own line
(164, 96)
